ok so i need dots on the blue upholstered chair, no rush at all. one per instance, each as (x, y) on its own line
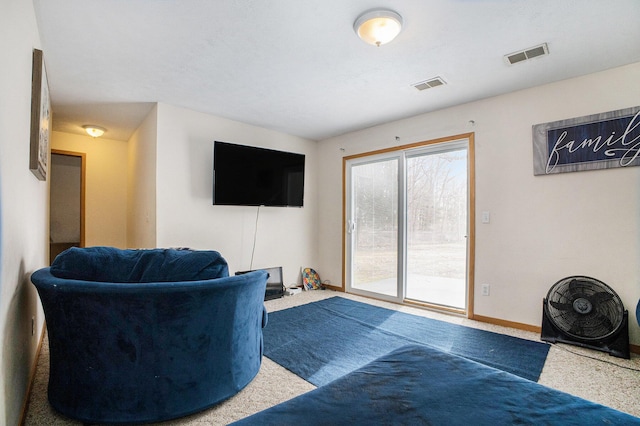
(148, 335)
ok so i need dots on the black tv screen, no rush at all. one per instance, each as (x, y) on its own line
(250, 176)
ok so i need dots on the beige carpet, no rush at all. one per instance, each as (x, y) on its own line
(585, 373)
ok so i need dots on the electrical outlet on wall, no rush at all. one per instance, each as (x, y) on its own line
(485, 289)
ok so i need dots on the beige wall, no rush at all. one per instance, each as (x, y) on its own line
(24, 215)
(285, 237)
(106, 186)
(141, 196)
(543, 228)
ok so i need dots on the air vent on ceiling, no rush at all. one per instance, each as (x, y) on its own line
(428, 84)
(530, 53)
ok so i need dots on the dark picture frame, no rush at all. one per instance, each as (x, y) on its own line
(40, 118)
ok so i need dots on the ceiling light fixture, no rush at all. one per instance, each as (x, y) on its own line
(94, 131)
(378, 26)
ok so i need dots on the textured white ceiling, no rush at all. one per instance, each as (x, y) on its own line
(298, 67)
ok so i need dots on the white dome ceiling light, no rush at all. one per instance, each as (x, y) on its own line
(378, 26)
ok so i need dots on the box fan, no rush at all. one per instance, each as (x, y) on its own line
(586, 312)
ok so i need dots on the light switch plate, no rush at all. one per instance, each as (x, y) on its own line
(486, 217)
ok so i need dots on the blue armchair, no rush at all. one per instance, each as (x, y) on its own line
(148, 335)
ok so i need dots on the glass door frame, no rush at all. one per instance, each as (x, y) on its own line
(348, 231)
(401, 152)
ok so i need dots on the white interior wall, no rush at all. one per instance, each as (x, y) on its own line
(141, 193)
(186, 217)
(106, 186)
(543, 228)
(24, 215)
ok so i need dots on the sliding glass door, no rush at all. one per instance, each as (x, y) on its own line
(436, 208)
(407, 224)
(374, 226)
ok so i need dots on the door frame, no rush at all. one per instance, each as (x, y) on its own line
(470, 138)
(83, 186)
(354, 161)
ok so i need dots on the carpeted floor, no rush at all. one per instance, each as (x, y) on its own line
(585, 373)
(325, 340)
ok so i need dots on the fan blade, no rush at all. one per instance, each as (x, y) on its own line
(576, 328)
(604, 321)
(561, 306)
(591, 326)
(576, 288)
(599, 298)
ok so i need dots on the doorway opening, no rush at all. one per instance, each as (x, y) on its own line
(67, 202)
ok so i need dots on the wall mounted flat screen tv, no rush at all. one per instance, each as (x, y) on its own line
(250, 176)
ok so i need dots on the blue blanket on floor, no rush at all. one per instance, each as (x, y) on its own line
(325, 340)
(417, 385)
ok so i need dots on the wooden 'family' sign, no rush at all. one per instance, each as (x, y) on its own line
(599, 141)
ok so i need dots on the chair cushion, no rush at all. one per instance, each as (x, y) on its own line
(109, 264)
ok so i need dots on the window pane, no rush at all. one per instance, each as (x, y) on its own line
(437, 228)
(375, 239)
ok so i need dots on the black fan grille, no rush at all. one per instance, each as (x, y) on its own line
(584, 308)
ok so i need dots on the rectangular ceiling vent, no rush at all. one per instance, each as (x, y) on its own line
(530, 53)
(428, 84)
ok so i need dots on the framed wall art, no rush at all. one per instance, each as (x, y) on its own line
(40, 118)
(600, 141)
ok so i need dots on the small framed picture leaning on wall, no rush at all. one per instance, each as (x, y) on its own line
(40, 118)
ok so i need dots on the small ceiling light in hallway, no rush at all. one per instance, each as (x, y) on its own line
(94, 131)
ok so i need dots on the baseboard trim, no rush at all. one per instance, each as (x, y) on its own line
(527, 327)
(333, 287)
(32, 376)
(505, 323)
